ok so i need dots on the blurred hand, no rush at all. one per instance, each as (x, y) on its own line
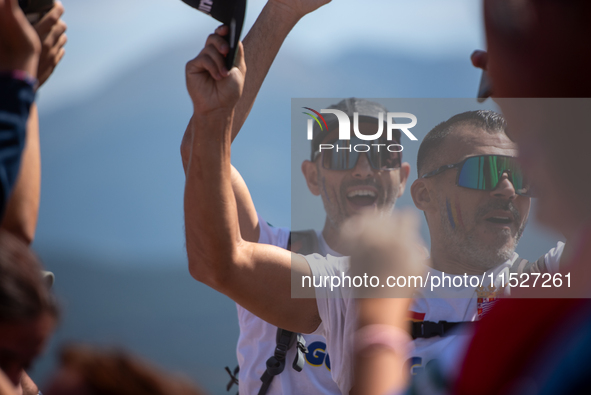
(385, 245)
(479, 59)
(28, 386)
(19, 44)
(51, 31)
(6, 387)
(210, 85)
(299, 8)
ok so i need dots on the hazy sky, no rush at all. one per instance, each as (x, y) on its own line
(109, 36)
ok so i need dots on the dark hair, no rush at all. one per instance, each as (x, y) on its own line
(24, 294)
(489, 121)
(117, 373)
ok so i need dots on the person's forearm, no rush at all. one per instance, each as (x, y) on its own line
(211, 222)
(22, 208)
(28, 385)
(261, 45)
(247, 214)
(6, 387)
(380, 370)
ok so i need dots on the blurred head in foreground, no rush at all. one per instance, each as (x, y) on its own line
(88, 371)
(28, 312)
(542, 49)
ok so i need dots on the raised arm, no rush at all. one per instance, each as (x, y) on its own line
(261, 45)
(19, 57)
(22, 209)
(247, 214)
(256, 276)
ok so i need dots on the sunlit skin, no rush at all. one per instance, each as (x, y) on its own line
(471, 230)
(21, 342)
(337, 186)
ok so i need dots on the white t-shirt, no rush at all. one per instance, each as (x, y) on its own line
(338, 314)
(455, 304)
(257, 343)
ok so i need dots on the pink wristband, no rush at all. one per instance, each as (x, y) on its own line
(385, 336)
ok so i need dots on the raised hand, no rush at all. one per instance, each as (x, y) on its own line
(479, 59)
(210, 85)
(385, 245)
(51, 30)
(299, 8)
(19, 44)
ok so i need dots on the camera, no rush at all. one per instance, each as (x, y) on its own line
(35, 9)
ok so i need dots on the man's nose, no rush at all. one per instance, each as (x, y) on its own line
(504, 189)
(362, 168)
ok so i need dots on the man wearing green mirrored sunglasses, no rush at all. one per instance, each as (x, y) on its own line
(472, 192)
(485, 172)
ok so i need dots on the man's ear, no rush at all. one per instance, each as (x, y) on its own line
(421, 195)
(404, 173)
(310, 171)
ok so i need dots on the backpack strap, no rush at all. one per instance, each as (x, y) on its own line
(303, 242)
(427, 329)
(298, 361)
(524, 266)
(276, 363)
(519, 266)
(233, 378)
(539, 266)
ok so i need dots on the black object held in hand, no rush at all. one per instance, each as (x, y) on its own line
(35, 9)
(230, 13)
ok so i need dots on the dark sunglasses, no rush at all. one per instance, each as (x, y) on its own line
(484, 173)
(349, 151)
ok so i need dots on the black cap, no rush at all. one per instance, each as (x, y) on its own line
(230, 13)
(367, 111)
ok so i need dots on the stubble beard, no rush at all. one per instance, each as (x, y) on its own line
(464, 245)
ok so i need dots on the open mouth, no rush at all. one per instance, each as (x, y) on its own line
(362, 197)
(500, 220)
(500, 217)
